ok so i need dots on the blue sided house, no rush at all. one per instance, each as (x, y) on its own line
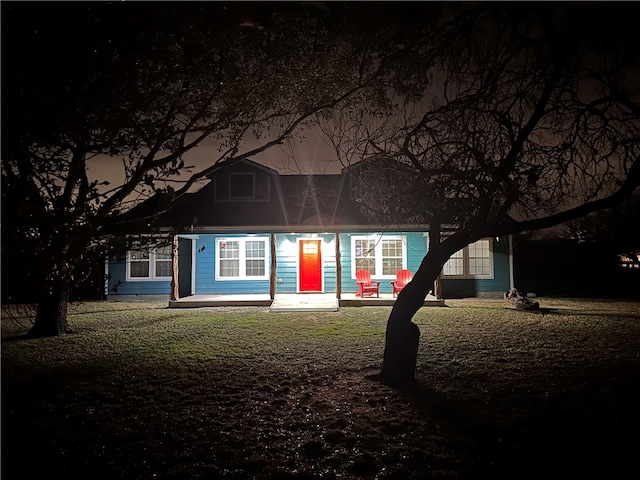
(254, 232)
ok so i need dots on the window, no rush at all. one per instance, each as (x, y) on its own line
(242, 258)
(473, 261)
(146, 261)
(241, 186)
(380, 256)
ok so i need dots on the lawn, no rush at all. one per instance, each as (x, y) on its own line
(140, 391)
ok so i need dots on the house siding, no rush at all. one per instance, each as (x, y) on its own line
(489, 287)
(287, 251)
(206, 283)
(287, 267)
(119, 286)
(416, 249)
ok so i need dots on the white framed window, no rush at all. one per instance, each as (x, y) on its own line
(147, 262)
(382, 256)
(242, 258)
(473, 261)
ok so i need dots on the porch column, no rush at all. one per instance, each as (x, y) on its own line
(437, 288)
(175, 290)
(338, 268)
(274, 263)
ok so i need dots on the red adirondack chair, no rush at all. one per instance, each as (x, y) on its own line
(402, 278)
(365, 285)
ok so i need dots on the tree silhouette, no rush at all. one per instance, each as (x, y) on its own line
(136, 87)
(509, 118)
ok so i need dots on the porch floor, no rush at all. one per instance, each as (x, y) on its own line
(290, 302)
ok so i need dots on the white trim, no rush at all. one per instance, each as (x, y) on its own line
(322, 259)
(242, 258)
(465, 265)
(304, 229)
(193, 266)
(152, 266)
(378, 238)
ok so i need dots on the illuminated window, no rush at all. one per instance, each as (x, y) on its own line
(382, 256)
(146, 261)
(242, 259)
(473, 261)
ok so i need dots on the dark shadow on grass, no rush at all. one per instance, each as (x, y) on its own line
(17, 338)
(587, 313)
(547, 441)
(433, 404)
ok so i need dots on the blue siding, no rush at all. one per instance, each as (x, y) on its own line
(496, 286)
(416, 247)
(118, 284)
(205, 270)
(287, 266)
(287, 251)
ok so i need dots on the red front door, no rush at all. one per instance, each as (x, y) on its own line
(310, 265)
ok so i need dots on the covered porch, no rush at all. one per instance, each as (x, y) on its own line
(283, 302)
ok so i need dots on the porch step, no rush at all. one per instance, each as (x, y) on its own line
(305, 303)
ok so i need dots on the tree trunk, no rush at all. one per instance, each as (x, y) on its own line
(402, 335)
(51, 315)
(400, 353)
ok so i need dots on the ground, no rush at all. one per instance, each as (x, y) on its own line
(144, 392)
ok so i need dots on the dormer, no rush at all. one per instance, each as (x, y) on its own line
(245, 182)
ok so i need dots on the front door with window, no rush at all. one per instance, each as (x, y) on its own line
(310, 264)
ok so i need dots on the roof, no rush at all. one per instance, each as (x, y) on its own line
(300, 203)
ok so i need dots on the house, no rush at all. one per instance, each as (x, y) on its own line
(253, 231)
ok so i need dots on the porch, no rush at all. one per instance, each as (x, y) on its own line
(293, 302)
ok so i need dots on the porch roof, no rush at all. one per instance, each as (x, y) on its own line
(302, 229)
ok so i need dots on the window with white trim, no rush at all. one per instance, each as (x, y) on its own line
(473, 261)
(242, 258)
(382, 256)
(147, 261)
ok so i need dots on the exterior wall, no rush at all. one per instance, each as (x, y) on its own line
(494, 287)
(205, 276)
(416, 249)
(287, 248)
(120, 288)
(287, 251)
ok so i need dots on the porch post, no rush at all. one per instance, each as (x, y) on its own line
(338, 268)
(175, 290)
(274, 263)
(435, 237)
(437, 288)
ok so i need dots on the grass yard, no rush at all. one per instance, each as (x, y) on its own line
(140, 391)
